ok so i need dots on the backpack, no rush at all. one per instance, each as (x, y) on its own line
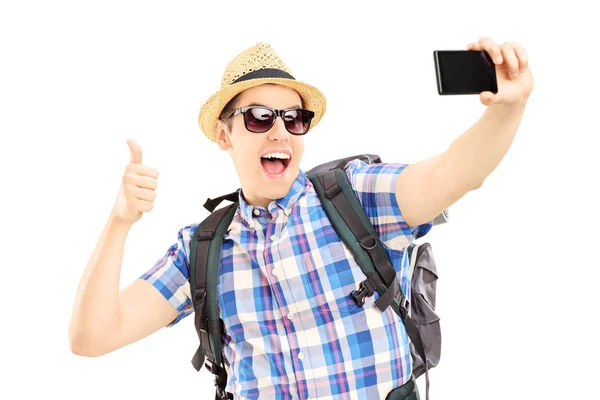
(355, 230)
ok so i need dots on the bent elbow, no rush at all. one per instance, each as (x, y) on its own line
(86, 351)
(477, 186)
(78, 349)
(81, 346)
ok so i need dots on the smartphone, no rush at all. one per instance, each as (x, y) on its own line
(464, 72)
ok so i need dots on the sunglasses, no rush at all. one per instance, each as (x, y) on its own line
(261, 119)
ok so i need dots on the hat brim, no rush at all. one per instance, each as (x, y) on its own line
(210, 112)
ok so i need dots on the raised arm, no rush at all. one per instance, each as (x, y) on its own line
(426, 188)
(104, 319)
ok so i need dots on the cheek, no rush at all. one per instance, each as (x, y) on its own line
(245, 161)
(250, 163)
(298, 151)
(243, 149)
(248, 160)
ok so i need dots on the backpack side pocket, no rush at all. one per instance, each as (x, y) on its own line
(422, 307)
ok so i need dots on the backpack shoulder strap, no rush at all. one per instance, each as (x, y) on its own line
(411, 251)
(352, 224)
(354, 228)
(211, 204)
(205, 260)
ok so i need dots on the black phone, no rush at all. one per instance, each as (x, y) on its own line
(464, 72)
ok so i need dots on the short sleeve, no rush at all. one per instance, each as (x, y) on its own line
(375, 186)
(170, 274)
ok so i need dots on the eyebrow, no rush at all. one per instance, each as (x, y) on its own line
(262, 105)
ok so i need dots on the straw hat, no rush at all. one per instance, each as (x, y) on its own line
(255, 66)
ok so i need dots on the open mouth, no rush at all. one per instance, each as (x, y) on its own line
(275, 164)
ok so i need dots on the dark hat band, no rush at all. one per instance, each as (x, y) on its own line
(264, 73)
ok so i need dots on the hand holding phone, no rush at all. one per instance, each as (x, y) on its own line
(464, 72)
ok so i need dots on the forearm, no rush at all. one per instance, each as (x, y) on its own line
(477, 152)
(96, 307)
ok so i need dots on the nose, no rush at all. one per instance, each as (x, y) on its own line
(278, 131)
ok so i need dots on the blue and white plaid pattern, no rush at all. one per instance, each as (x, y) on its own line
(291, 328)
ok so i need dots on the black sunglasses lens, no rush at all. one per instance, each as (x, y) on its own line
(298, 121)
(258, 119)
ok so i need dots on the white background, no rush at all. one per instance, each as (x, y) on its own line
(518, 262)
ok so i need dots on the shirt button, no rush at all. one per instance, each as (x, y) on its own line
(275, 271)
(290, 316)
(256, 211)
(274, 238)
(300, 356)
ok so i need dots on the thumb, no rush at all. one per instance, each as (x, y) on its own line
(136, 152)
(488, 98)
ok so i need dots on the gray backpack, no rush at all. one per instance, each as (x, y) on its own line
(354, 228)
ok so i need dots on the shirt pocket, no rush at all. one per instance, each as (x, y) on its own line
(331, 275)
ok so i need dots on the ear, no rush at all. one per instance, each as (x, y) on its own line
(222, 137)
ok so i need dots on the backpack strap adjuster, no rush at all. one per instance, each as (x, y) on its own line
(211, 326)
(206, 234)
(403, 304)
(200, 295)
(368, 243)
(332, 191)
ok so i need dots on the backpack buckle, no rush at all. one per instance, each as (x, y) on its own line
(221, 394)
(364, 290)
(215, 369)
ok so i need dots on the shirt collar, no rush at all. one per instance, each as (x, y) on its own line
(249, 212)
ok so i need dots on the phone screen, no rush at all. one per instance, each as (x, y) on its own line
(465, 72)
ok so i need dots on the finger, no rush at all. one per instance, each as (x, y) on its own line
(510, 58)
(141, 181)
(136, 152)
(145, 182)
(473, 46)
(144, 194)
(521, 56)
(143, 205)
(142, 170)
(492, 49)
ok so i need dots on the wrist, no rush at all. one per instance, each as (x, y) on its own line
(499, 114)
(516, 107)
(118, 223)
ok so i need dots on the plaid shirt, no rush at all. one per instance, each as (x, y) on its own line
(292, 331)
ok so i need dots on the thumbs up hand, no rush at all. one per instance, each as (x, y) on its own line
(137, 191)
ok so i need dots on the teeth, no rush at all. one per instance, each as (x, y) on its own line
(277, 155)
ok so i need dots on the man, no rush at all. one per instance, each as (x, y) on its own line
(291, 330)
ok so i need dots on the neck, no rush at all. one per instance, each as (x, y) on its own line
(256, 200)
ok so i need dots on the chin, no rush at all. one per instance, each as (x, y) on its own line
(276, 189)
(275, 186)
